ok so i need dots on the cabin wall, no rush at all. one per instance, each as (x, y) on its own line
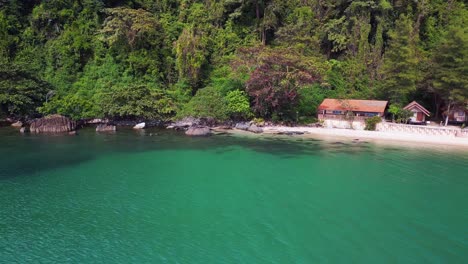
(458, 115)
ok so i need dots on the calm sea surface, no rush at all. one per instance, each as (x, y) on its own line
(161, 197)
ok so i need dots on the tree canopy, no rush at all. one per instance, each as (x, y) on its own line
(263, 58)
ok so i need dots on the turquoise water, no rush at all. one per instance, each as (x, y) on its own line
(161, 197)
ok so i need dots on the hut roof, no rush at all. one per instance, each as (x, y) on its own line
(353, 105)
(415, 105)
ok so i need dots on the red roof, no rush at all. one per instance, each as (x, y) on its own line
(415, 105)
(373, 106)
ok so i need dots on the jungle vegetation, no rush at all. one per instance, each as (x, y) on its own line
(228, 59)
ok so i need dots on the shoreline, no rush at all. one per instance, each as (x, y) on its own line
(355, 135)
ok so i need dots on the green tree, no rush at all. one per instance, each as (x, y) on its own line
(21, 92)
(451, 65)
(399, 71)
(135, 101)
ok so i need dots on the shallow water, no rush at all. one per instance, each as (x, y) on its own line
(160, 197)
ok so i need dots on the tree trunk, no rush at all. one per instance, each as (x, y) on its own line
(437, 105)
(448, 114)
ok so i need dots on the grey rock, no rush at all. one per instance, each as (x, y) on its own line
(255, 129)
(242, 126)
(198, 131)
(105, 128)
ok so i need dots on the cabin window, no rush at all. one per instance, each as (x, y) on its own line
(370, 114)
(461, 113)
(337, 112)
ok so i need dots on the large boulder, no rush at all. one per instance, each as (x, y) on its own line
(105, 128)
(255, 129)
(242, 126)
(52, 124)
(198, 131)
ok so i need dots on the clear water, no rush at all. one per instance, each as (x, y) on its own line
(161, 197)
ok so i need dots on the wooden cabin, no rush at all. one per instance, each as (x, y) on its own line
(348, 108)
(458, 114)
(419, 112)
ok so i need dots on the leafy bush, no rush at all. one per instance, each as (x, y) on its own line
(137, 101)
(371, 123)
(21, 92)
(238, 105)
(207, 103)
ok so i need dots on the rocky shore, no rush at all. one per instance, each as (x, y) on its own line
(207, 127)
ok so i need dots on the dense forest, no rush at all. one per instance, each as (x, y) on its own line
(228, 59)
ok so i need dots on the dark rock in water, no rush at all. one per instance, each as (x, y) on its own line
(106, 128)
(255, 129)
(52, 124)
(24, 130)
(291, 133)
(338, 143)
(198, 131)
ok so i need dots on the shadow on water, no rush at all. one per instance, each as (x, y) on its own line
(28, 154)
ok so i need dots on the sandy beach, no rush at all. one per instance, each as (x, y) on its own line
(375, 136)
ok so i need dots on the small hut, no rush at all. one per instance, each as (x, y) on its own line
(419, 112)
(458, 114)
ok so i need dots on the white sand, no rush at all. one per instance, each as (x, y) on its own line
(392, 137)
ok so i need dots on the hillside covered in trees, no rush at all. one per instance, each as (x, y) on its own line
(228, 59)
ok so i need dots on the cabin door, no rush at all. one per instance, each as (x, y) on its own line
(419, 117)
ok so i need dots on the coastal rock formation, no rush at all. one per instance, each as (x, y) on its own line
(52, 124)
(198, 131)
(255, 129)
(105, 128)
(242, 126)
(17, 124)
(251, 127)
(140, 126)
(187, 122)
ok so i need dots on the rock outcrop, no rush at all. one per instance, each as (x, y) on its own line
(52, 124)
(249, 126)
(255, 129)
(105, 128)
(198, 131)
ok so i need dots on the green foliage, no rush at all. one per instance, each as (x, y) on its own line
(399, 114)
(137, 101)
(451, 62)
(207, 103)
(287, 56)
(371, 123)
(21, 92)
(400, 65)
(238, 105)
